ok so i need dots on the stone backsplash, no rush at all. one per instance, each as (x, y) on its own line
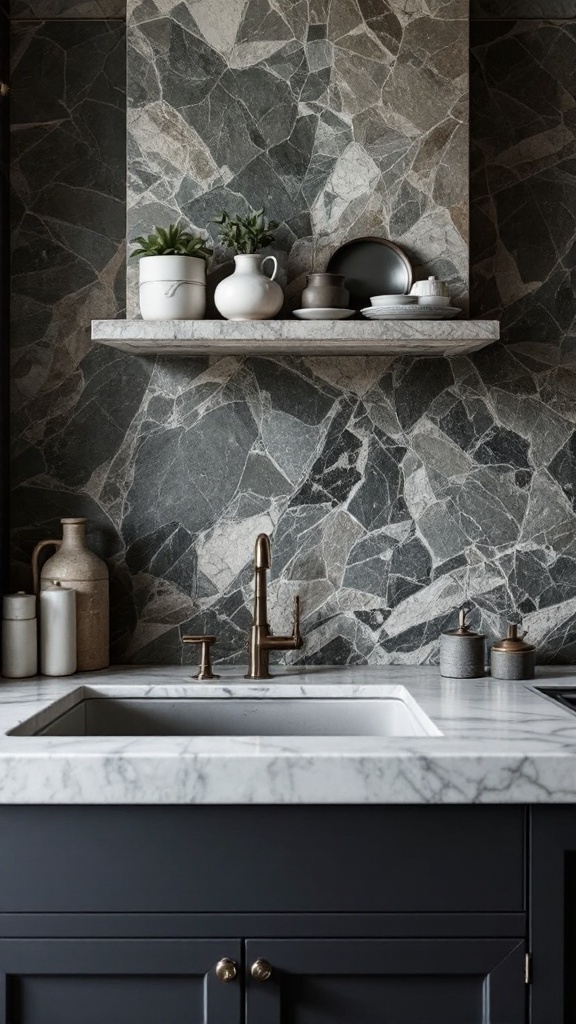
(343, 117)
(394, 488)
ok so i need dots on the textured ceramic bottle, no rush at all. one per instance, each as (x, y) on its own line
(76, 567)
(248, 294)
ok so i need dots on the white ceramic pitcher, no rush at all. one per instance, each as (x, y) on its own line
(247, 294)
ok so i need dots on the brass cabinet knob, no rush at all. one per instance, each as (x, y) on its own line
(226, 969)
(261, 970)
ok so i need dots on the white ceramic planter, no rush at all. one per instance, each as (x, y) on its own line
(172, 287)
(247, 294)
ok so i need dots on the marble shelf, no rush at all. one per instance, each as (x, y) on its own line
(296, 337)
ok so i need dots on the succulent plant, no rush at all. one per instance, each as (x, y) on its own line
(246, 234)
(172, 241)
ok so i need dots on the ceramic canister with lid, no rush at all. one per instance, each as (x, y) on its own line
(432, 286)
(19, 636)
(58, 630)
(512, 657)
(462, 651)
(77, 567)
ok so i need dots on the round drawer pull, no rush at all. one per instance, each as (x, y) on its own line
(261, 970)
(226, 969)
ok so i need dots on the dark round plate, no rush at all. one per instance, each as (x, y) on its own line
(371, 266)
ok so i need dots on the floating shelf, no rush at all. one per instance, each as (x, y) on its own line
(296, 337)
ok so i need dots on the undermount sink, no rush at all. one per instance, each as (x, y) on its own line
(231, 713)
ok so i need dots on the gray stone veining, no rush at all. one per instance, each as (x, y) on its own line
(343, 118)
(501, 743)
(394, 487)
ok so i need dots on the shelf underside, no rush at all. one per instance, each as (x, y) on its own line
(296, 337)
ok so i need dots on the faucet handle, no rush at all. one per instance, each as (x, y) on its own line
(205, 641)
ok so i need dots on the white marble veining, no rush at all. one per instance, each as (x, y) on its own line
(296, 337)
(500, 743)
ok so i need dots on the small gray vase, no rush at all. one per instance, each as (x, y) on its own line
(325, 291)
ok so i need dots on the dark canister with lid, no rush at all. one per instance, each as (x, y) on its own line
(512, 657)
(462, 651)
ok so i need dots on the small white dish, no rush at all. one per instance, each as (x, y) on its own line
(433, 300)
(393, 300)
(323, 314)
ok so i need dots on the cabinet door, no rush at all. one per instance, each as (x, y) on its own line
(553, 914)
(387, 981)
(123, 981)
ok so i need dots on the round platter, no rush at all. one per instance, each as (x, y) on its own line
(371, 266)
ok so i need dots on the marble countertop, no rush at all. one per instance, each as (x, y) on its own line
(500, 743)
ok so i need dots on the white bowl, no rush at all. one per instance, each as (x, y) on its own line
(393, 300)
(433, 300)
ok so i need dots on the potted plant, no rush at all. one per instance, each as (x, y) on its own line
(247, 294)
(172, 265)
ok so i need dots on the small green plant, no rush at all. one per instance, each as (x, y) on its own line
(172, 241)
(246, 234)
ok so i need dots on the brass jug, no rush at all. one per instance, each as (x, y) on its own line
(77, 567)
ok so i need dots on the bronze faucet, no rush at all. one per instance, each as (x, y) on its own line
(261, 639)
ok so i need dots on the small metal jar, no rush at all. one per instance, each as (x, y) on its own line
(512, 657)
(462, 652)
(325, 291)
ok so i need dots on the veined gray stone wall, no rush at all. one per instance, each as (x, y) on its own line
(343, 117)
(394, 488)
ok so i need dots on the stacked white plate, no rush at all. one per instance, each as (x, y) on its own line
(410, 312)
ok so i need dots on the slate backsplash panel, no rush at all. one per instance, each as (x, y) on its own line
(68, 264)
(342, 117)
(522, 9)
(394, 488)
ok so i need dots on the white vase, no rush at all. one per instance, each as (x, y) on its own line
(247, 294)
(172, 287)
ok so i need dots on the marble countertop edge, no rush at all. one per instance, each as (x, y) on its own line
(500, 743)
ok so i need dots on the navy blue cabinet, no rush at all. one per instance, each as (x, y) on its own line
(117, 981)
(325, 915)
(553, 914)
(396, 981)
(320, 981)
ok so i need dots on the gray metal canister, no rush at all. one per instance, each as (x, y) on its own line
(462, 652)
(512, 657)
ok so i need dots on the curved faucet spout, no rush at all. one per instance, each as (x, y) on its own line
(262, 554)
(261, 639)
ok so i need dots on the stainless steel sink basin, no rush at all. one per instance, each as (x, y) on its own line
(98, 713)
